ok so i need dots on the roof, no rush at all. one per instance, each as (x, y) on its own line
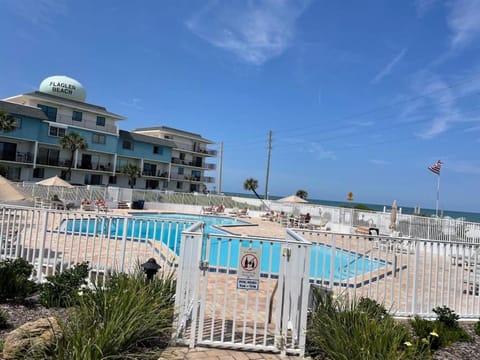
(145, 138)
(73, 103)
(23, 110)
(172, 130)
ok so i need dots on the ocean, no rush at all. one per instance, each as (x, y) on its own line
(469, 216)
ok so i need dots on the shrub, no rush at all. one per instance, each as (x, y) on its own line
(114, 321)
(4, 320)
(339, 329)
(476, 328)
(61, 289)
(447, 316)
(14, 282)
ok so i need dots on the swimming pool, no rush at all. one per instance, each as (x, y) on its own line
(223, 250)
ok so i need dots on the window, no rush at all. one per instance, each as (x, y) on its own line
(56, 131)
(182, 156)
(49, 111)
(8, 151)
(179, 185)
(39, 173)
(168, 137)
(100, 121)
(112, 180)
(98, 138)
(158, 150)
(180, 171)
(76, 116)
(127, 144)
(18, 122)
(48, 156)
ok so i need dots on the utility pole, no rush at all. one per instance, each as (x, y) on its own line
(268, 163)
(220, 165)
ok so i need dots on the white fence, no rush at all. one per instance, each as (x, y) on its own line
(338, 218)
(54, 240)
(254, 299)
(409, 276)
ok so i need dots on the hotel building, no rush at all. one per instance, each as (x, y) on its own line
(169, 159)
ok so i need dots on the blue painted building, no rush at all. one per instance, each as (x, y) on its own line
(32, 151)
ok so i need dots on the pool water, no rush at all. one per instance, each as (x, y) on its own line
(223, 251)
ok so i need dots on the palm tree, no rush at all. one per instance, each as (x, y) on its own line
(133, 172)
(7, 122)
(72, 142)
(251, 184)
(302, 194)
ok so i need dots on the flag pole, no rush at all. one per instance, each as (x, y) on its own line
(438, 194)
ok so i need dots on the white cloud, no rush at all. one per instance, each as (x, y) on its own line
(442, 104)
(389, 67)
(254, 31)
(464, 21)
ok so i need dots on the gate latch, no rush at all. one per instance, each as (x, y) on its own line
(203, 265)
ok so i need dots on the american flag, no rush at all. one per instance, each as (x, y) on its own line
(435, 168)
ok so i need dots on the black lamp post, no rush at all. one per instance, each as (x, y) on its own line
(150, 268)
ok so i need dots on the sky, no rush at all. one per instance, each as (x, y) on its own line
(359, 96)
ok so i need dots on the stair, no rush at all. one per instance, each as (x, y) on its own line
(122, 205)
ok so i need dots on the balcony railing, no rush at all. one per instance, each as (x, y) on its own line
(195, 149)
(98, 167)
(211, 166)
(159, 173)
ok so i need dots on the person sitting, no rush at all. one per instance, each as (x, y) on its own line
(307, 218)
(220, 209)
(86, 204)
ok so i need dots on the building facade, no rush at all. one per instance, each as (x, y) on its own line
(190, 156)
(32, 151)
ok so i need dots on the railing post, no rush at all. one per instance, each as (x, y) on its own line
(124, 243)
(415, 277)
(42, 246)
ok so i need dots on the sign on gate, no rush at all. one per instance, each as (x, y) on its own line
(249, 268)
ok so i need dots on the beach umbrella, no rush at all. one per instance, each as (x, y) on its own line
(293, 199)
(9, 192)
(393, 216)
(55, 181)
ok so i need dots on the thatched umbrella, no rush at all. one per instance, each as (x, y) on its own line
(9, 192)
(293, 199)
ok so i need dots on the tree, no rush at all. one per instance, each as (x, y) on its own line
(72, 142)
(7, 122)
(251, 184)
(133, 172)
(302, 194)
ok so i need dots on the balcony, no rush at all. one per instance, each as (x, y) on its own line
(208, 179)
(96, 167)
(159, 173)
(197, 149)
(211, 166)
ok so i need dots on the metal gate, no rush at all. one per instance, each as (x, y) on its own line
(243, 292)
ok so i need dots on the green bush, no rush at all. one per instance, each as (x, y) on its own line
(61, 289)
(339, 329)
(117, 320)
(4, 320)
(438, 333)
(447, 316)
(14, 280)
(476, 328)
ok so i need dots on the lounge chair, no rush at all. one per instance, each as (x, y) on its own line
(234, 211)
(243, 213)
(101, 205)
(208, 210)
(86, 205)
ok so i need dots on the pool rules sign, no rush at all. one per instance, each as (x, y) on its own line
(249, 268)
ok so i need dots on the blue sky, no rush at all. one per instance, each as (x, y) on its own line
(360, 96)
